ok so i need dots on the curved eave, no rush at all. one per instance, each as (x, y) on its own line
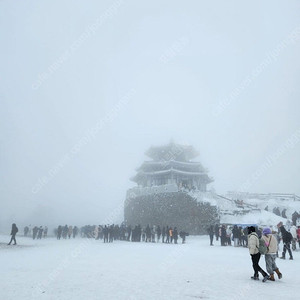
(171, 163)
(142, 174)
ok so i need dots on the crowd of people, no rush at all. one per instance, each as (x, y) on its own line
(238, 235)
(109, 233)
(37, 232)
(259, 241)
(228, 234)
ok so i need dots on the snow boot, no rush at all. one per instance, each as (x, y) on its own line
(291, 258)
(254, 277)
(271, 278)
(278, 273)
(266, 278)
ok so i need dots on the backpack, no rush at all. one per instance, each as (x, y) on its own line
(263, 249)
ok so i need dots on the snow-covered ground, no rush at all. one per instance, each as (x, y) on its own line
(90, 269)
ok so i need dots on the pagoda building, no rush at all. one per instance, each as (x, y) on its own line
(172, 164)
(164, 192)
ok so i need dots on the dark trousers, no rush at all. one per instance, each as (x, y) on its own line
(287, 246)
(256, 267)
(211, 237)
(13, 238)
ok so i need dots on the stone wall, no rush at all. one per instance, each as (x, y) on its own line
(172, 209)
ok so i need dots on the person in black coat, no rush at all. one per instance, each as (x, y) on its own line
(34, 232)
(210, 231)
(163, 233)
(14, 230)
(175, 235)
(223, 235)
(286, 239)
(235, 235)
(217, 227)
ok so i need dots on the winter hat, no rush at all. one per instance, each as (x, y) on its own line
(251, 229)
(266, 231)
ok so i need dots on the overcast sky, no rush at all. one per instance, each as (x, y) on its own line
(88, 86)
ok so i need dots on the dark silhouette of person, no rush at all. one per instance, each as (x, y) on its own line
(210, 231)
(163, 234)
(158, 230)
(217, 231)
(223, 235)
(59, 232)
(286, 239)
(14, 230)
(40, 233)
(34, 232)
(75, 232)
(175, 235)
(183, 235)
(148, 234)
(168, 235)
(105, 233)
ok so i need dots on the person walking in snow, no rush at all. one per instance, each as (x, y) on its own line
(175, 235)
(34, 232)
(40, 233)
(70, 231)
(14, 230)
(148, 234)
(105, 234)
(270, 256)
(183, 235)
(253, 244)
(59, 232)
(286, 239)
(163, 233)
(158, 231)
(167, 235)
(217, 232)
(210, 231)
(235, 235)
(223, 235)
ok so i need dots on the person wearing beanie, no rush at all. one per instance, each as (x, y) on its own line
(270, 256)
(253, 244)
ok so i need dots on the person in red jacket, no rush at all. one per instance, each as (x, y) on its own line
(14, 230)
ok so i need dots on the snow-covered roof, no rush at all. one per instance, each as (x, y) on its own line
(169, 171)
(172, 151)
